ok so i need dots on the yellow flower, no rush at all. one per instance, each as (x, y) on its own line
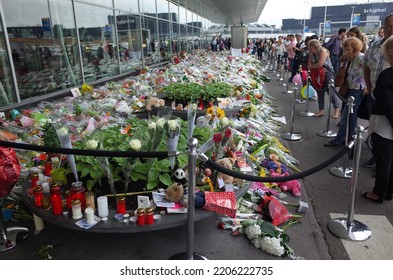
(220, 113)
(86, 88)
(210, 111)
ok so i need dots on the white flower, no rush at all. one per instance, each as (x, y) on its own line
(92, 144)
(152, 125)
(172, 124)
(272, 246)
(122, 107)
(135, 144)
(63, 131)
(194, 107)
(253, 231)
(160, 122)
(225, 121)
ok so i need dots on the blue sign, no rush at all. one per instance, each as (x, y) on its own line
(108, 28)
(355, 19)
(46, 24)
(306, 29)
(328, 24)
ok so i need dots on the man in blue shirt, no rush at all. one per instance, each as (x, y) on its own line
(335, 49)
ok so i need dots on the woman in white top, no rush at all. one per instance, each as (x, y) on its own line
(280, 49)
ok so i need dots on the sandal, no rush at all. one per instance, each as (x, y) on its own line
(378, 200)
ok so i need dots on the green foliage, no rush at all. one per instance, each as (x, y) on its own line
(50, 136)
(193, 91)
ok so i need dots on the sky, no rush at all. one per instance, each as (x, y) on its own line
(276, 10)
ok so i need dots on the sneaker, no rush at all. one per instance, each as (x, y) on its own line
(369, 164)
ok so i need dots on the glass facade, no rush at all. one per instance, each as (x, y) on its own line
(48, 47)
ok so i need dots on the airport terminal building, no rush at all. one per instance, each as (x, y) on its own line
(368, 17)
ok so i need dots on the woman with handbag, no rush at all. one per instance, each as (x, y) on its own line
(353, 85)
(321, 72)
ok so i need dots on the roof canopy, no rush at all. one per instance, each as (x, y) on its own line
(230, 12)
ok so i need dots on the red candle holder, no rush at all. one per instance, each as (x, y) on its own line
(55, 198)
(121, 204)
(149, 217)
(38, 196)
(140, 219)
(47, 168)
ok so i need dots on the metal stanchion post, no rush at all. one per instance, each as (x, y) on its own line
(307, 113)
(290, 135)
(285, 80)
(328, 133)
(348, 228)
(192, 157)
(344, 171)
(279, 67)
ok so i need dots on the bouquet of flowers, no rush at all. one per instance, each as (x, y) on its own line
(173, 132)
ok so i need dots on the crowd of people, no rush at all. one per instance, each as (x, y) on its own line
(361, 69)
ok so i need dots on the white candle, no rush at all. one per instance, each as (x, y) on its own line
(89, 213)
(76, 209)
(102, 202)
(38, 223)
(45, 187)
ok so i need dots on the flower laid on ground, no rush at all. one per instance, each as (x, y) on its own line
(91, 144)
(135, 144)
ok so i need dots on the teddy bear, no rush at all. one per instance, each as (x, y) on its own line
(292, 185)
(175, 193)
(228, 162)
(154, 102)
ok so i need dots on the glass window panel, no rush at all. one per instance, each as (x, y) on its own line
(189, 17)
(150, 45)
(7, 90)
(174, 11)
(164, 40)
(175, 38)
(182, 14)
(130, 44)
(162, 6)
(44, 44)
(183, 37)
(148, 7)
(130, 6)
(97, 38)
(107, 3)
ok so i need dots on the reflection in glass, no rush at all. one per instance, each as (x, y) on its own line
(151, 49)
(43, 46)
(182, 14)
(130, 6)
(174, 12)
(97, 39)
(162, 7)
(130, 44)
(164, 40)
(7, 91)
(148, 7)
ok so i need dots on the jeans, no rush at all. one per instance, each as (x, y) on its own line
(335, 59)
(341, 134)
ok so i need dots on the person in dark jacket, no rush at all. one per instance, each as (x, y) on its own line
(381, 127)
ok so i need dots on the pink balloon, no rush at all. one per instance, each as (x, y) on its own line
(297, 79)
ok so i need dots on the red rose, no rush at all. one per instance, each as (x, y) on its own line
(228, 133)
(217, 138)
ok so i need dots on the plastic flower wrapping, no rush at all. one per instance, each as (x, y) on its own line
(109, 116)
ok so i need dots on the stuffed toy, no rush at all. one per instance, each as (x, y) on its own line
(154, 102)
(292, 185)
(180, 176)
(175, 193)
(273, 163)
(228, 163)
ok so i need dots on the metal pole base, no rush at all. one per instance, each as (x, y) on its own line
(306, 114)
(341, 172)
(326, 134)
(356, 231)
(300, 101)
(183, 256)
(291, 136)
(14, 237)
